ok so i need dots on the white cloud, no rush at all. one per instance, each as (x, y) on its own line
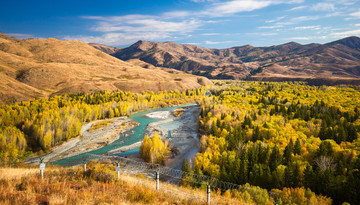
(118, 18)
(346, 33)
(176, 14)
(211, 34)
(142, 23)
(358, 24)
(299, 38)
(297, 8)
(20, 35)
(119, 38)
(307, 38)
(124, 30)
(356, 14)
(304, 18)
(200, 1)
(322, 6)
(317, 27)
(344, 2)
(275, 20)
(235, 6)
(291, 21)
(268, 34)
(147, 25)
(217, 42)
(169, 24)
(271, 27)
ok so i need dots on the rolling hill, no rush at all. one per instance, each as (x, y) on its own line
(44, 67)
(332, 63)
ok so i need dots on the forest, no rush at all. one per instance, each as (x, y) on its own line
(289, 138)
(282, 135)
(38, 125)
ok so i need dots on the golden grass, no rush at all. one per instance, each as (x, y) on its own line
(100, 124)
(11, 173)
(178, 112)
(99, 185)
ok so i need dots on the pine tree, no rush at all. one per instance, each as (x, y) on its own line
(296, 176)
(297, 147)
(288, 152)
(275, 158)
(185, 178)
(288, 176)
(309, 176)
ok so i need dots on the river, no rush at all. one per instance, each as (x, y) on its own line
(137, 134)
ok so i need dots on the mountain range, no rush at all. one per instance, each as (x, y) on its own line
(331, 63)
(45, 67)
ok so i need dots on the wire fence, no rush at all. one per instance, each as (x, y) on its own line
(176, 176)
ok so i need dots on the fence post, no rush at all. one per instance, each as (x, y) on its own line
(117, 168)
(157, 180)
(42, 167)
(84, 162)
(208, 194)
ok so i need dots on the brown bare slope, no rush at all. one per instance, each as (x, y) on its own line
(44, 67)
(106, 49)
(338, 61)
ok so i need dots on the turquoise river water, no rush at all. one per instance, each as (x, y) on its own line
(137, 135)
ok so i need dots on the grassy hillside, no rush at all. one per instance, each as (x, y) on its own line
(100, 185)
(47, 67)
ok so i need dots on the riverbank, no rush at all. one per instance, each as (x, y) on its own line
(90, 139)
(184, 139)
(181, 132)
(123, 136)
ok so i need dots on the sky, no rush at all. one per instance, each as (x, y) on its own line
(206, 23)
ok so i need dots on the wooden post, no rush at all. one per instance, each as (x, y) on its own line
(42, 167)
(208, 194)
(157, 180)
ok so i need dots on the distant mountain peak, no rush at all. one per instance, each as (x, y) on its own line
(351, 42)
(339, 60)
(293, 43)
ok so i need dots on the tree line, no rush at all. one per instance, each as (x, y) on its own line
(283, 135)
(38, 125)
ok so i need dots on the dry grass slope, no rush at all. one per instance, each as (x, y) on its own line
(45, 67)
(98, 185)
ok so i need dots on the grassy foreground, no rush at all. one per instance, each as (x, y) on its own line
(98, 185)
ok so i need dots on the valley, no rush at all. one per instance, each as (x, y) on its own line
(191, 102)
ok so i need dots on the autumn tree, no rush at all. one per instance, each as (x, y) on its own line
(154, 150)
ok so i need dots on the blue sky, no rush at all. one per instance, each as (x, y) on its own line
(207, 23)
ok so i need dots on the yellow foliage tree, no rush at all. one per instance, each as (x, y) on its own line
(154, 150)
